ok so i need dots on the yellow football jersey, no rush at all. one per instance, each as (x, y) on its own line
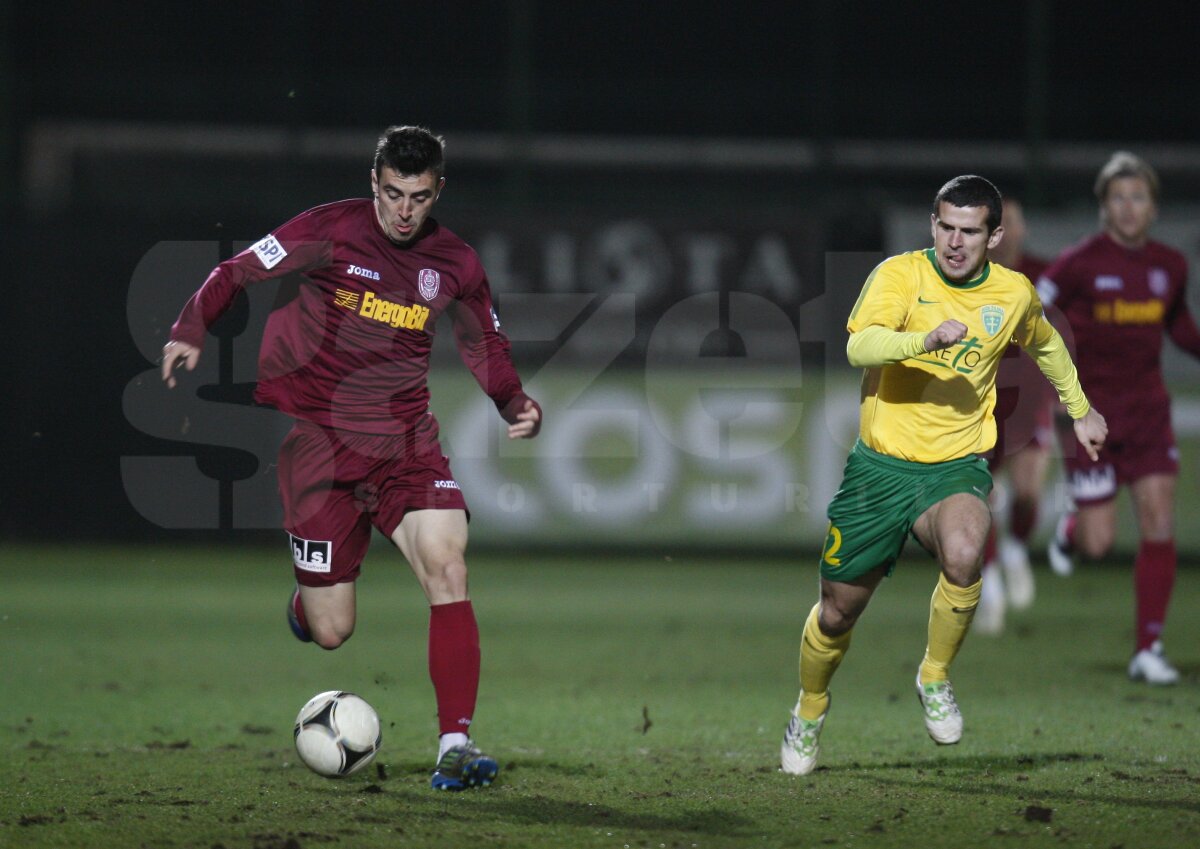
(938, 405)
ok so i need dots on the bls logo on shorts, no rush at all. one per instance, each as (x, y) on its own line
(1096, 482)
(311, 555)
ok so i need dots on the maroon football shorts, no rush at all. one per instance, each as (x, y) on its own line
(337, 484)
(1140, 442)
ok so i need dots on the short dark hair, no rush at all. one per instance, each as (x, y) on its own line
(1125, 164)
(410, 151)
(972, 190)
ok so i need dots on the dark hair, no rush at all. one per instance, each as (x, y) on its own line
(409, 151)
(1125, 164)
(971, 190)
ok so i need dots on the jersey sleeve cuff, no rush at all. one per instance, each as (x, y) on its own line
(517, 405)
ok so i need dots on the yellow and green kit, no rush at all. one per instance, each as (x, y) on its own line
(925, 416)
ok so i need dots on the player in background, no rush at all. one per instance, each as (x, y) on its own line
(1025, 405)
(1120, 290)
(346, 353)
(929, 329)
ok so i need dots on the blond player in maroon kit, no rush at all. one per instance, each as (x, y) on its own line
(347, 355)
(1120, 291)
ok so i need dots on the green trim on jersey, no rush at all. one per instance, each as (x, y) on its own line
(931, 255)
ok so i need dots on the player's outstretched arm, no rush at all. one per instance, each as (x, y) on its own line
(528, 422)
(1091, 431)
(177, 353)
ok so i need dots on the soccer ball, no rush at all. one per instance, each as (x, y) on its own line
(337, 734)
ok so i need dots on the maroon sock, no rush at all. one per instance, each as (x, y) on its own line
(1153, 579)
(454, 664)
(989, 546)
(1023, 518)
(298, 609)
(1069, 530)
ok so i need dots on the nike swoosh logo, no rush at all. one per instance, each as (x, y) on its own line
(962, 609)
(921, 300)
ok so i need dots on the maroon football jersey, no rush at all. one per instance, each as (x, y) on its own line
(1022, 391)
(1118, 302)
(1031, 266)
(350, 349)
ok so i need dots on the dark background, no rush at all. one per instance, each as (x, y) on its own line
(908, 81)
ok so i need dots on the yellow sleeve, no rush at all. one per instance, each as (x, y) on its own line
(1050, 352)
(876, 346)
(1042, 342)
(886, 298)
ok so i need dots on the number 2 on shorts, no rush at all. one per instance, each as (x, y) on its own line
(833, 542)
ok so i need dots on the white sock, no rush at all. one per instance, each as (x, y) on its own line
(449, 741)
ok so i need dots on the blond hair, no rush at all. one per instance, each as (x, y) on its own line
(1125, 164)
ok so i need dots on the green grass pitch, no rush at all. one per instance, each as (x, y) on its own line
(149, 695)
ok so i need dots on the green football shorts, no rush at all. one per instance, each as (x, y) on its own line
(880, 500)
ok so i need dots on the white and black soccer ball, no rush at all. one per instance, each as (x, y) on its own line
(337, 734)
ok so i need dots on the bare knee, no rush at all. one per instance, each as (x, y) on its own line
(1095, 542)
(834, 621)
(329, 635)
(1157, 527)
(961, 561)
(445, 579)
(1095, 529)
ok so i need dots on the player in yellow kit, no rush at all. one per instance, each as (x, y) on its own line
(929, 328)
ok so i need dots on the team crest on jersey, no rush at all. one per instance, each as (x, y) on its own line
(429, 282)
(1159, 282)
(993, 317)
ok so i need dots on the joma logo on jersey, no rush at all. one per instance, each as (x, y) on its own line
(964, 359)
(359, 271)
(393, 315)
(311, 555)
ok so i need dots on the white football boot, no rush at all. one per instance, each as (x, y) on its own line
(1151, 665)
(989, 615)
(943, 719)
(801, 744)
(1059, 552)
(1018, 576)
